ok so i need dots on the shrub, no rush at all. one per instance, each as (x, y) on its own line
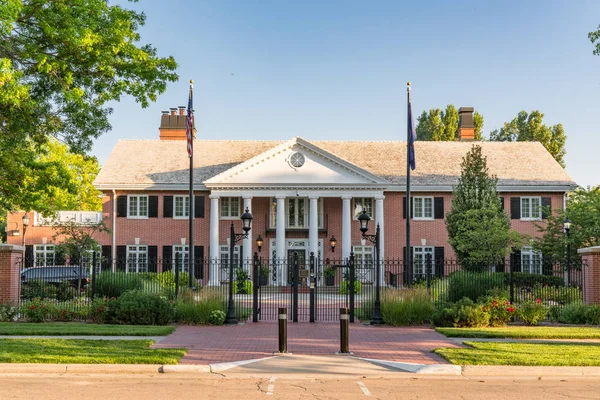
(527, 280)
(38, 289)
(532, 312)
(468, 314)
(244, 287)
(61, 314)
(114, 284)
(580, 314)
(139, 308)
(65, 292)
(188, 311)
(98, 310)
(412, 307)
(216, 317)
(8, 312)
(557, 294)
(443, 316)
(36, 310)
(499, 308)
(345, 287)
(472, 284)
(364, 309)
(164, 283)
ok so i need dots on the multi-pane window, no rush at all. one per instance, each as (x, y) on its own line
(230, 207)
(180, 257)
(137, 258)
(422, 257)
(364, 265)
(43, 255)
(296, 214)
(531, 208)
(363, 203)
(531, 261)
(137, 206)
(423, 207)
(225, 261)
(181, 207)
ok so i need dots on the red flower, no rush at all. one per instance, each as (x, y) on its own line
(538, 301)
(494, 303)
(510, 309)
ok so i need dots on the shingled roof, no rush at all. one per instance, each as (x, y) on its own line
(146, 163)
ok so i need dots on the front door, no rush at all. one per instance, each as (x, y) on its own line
(301, 265)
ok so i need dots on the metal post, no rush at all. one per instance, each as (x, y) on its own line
(94, 274)
(255, 284)
(312, 286)
(568, 260)
(231, 319)
(176, 266)
(344, 334)
(428, 272)
(511, 282)
(282, 329)
(377, 319)
(295, 279)
(352, 280)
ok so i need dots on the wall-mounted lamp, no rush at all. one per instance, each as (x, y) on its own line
(332, 243)
(259, 242)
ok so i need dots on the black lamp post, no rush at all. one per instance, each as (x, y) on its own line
(25, 225)
(567, 226)
(332, 243)
(233, 239)
(364, 227)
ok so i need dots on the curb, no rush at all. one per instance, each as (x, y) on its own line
(529, 371)
(212, 368)
(79, 368)
(423, 369)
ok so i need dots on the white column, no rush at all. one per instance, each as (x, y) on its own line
(280, 240)
(346, 224)
(247, 243)
(313, 226)
(379, 221)
(215, 253)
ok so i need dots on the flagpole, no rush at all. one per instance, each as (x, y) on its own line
(408, 203)
(190, 144)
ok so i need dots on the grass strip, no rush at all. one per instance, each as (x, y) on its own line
(528, 354)
(524, 332)
(76, 351)
(74, 328)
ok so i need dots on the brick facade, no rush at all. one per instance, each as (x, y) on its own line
(10, 276)
(591, 274)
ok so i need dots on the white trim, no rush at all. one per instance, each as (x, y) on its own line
(184, 208)
(354, 213)
(414, 203)
(530, 208)
(138, 196)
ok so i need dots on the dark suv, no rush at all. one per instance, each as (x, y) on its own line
(56, 275)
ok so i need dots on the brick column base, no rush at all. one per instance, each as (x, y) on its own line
(10, 273)
(591, 274)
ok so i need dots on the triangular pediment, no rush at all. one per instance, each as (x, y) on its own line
(296, 163)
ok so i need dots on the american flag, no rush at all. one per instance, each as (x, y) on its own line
(190, 123)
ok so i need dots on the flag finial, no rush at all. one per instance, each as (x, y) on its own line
(408, 86)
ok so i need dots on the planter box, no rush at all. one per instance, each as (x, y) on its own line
(329, 280)
(263, 280)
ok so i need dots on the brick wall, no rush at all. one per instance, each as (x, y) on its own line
(10, 273)
(591, 274)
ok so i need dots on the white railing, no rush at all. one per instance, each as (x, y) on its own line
(80, 217)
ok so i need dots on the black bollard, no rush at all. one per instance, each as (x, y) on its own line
(283, 330)
(344, 335)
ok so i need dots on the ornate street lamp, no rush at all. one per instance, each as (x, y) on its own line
(332, 243)
(364, 227)
(567, 227)
(233, 239)
(25, 225)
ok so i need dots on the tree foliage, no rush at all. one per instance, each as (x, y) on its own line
(76, 239)
(531, 128)
(583, 210)
(595, 39)
(478, 229)
(61, 61)
(442, 125)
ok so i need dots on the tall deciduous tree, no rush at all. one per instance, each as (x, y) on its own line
(478, 229)
(442, 125)
(61, 61)
(531, 128)
(595, 39)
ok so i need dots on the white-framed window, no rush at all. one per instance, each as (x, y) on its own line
(137, 206)
(296, 213)
(422, 255)
(363, 203)
(364, 263)
(531, 208)
(230, 207)
(531, 261)
(224, 251)
(423, 208)
(43, 255)
(181, 206)
(137, 258)
(181, 253)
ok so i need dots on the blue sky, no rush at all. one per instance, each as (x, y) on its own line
(337, 70)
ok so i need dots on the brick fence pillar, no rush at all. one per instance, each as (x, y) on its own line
(591, 274)
(10, 273)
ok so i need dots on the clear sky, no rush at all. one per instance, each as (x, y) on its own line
(337, 70)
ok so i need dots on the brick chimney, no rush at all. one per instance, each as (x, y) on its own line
(173, 124)
(466, 126)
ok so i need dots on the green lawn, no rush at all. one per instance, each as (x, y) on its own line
(73, 328)
(494, 353)
(524, 332)
(75, 351)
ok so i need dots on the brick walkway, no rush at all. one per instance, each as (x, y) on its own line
(215, 344)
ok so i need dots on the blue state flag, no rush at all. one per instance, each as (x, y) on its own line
(412, 137)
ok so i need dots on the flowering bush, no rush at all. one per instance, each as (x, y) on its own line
(532, 311)
(499, 308)
(36, 310)
(98, 310)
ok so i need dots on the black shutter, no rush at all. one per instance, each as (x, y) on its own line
(515, 260)
(107, 258)
(199, 206)
(167, 255)
(168, 206)
(29, 256)
(546, 265)
(121, 206)
(121, 257)
(152, 258)
(404, 207)
(152, 206)
(438, 255)
(199, 262)
(412, 207)
(502, 203)
(500, 267)
(515, 208)
(438, 207)
(546, 207)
